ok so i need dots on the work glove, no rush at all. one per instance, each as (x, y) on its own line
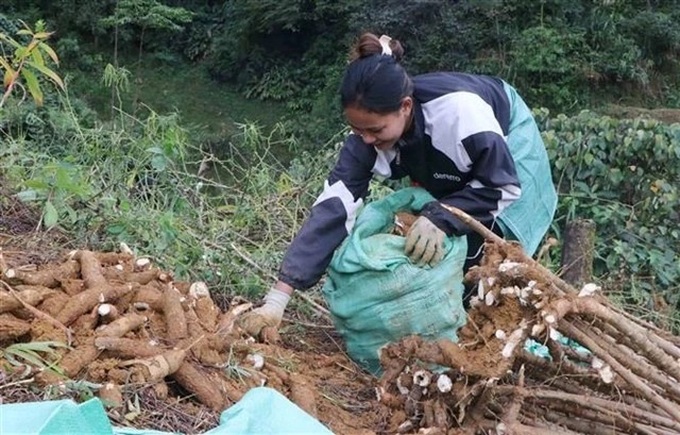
(425, 242)
(270, 314)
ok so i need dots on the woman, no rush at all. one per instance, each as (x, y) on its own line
(469, 140)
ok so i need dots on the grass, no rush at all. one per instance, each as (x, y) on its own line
(204, 105)
(200, 101)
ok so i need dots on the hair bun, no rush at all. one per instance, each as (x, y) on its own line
(369, 44)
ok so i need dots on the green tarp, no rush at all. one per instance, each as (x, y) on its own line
(261, 411)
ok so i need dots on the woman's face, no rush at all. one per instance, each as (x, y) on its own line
(380, 130)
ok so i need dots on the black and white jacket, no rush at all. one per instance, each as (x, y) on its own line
(456, 150)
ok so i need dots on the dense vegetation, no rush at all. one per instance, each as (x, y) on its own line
(102, 161)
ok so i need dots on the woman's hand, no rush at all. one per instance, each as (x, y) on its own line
(425, 242)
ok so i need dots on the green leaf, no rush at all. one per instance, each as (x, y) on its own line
(37, 183)
(33, 86)
(115, 229)
(9, 77)
(42, 35)
(43, 346)
(27, 195)
(588, 158)
(47, 49)
(51, 215)
(28, 356)
(155, 150)
(37, 57)
(159, 163)
(49, 73)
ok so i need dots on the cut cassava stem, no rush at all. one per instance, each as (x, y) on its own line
(567, 425)
(490, 236)
(607, 415)
(634, 333)
(107, 312)
(653, 329)
(512, 412)
(642, 357)
(650, 343)
(544, 370)
(636, 363)
(572, 331)
(633, 411)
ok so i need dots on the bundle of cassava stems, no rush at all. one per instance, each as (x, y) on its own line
(537, 356)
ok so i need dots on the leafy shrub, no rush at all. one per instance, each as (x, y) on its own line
(201, 215)
(549, 63)
(624, 174)
(657, 34)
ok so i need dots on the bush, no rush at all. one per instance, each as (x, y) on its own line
(624, 174)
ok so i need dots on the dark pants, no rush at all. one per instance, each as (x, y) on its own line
(475, 253)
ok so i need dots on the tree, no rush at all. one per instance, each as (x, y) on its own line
(146, 14)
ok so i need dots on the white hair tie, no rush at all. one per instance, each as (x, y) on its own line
(385, 43)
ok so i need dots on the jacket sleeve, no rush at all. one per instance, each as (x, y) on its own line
(332, 216)
(482, 152)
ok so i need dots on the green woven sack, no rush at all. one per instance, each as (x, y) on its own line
(377, 296)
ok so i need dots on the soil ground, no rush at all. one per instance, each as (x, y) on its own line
(669, 116)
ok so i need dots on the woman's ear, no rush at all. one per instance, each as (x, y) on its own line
(407, 104)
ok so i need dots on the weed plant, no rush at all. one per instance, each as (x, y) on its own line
(223, 216)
